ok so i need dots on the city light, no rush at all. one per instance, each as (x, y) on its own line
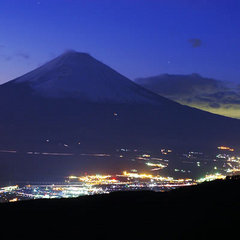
(226, 148)
(150, 171)
(211, 177)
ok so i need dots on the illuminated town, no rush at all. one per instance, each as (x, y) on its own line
(154, 178)
(93, 184)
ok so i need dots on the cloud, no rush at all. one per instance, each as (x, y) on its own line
(23, 55)
(8, 58)
(195, 42)
(228, 97)
(214, 105)
(18, 55)
(5, 57)
(196, 91)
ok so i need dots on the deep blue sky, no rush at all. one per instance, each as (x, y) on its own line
(138, 38)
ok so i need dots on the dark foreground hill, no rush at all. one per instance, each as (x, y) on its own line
(206, 211)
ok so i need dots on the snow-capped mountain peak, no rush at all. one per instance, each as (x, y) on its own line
(79, 75)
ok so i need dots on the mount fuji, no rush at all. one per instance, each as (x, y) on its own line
(83, 95)
(79, 104)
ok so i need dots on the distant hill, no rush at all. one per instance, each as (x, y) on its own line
(207, 211)
(208, 94)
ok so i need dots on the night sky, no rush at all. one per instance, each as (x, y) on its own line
(138, 38)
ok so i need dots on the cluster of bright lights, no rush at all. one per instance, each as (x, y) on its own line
(226, 148)
(234, 164)
(211, 177)
(159, 165)
(136, 175)
(166, 151)
(75, 191)
(233, 170)
(156, 178)
(95, 179)
(8, 189)
(233, 159)
(127, 177)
